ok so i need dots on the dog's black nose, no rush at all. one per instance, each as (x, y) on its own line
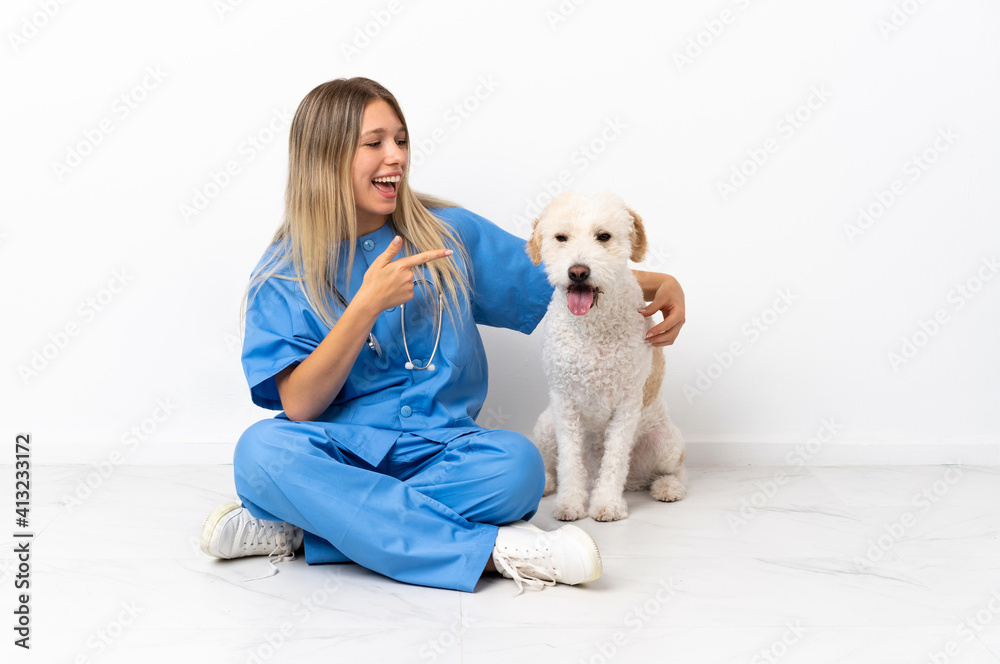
(579, 273)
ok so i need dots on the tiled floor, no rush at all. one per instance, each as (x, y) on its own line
(758, 564)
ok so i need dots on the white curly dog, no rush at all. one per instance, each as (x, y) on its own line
(604, 379)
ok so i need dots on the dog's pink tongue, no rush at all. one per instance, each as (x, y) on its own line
(580, 300)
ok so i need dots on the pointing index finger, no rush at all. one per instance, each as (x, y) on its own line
(422, 258)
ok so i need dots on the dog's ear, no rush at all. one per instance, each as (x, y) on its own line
(535, 244)
(638, 237)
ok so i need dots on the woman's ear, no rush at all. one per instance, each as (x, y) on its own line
(535, 244)
(638, 237)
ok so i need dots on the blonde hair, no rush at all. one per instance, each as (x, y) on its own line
(320, 211)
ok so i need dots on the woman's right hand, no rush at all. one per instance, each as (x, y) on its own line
(389, 283)
(307, 389)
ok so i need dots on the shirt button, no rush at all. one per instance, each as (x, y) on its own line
(406, 411)
(368, 245)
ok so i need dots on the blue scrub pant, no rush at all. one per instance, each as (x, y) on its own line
(427, 514)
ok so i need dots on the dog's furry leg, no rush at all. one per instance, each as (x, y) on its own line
(607, 502)
(571, 494)
(545, 441)
(670, 482)
(658, 457)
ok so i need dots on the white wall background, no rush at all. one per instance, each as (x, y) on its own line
(89, 370)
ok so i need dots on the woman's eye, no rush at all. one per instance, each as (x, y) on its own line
(604, 237)
(402, 142)
(374, 145)
(561, 238)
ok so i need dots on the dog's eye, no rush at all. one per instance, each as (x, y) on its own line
(561, 238)
(603, 237)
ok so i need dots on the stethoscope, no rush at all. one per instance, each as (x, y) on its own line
(377, 347)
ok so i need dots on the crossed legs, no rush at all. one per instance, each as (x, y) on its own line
(428, 514)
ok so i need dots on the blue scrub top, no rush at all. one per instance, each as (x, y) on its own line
(381, 399)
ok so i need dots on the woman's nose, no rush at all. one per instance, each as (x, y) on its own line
(395, 154)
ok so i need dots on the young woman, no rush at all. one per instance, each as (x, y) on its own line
(361, 327)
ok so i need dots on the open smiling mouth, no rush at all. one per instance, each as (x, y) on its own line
(581, 298)
(387, 186)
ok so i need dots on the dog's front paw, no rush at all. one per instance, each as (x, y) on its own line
(569, 511)
(610, 510)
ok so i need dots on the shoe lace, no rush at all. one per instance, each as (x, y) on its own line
(267, 534)
(524, 572)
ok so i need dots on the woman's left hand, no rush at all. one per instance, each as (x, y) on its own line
(668, 299)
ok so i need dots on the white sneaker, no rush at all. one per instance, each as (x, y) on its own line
(537, 558)
(230, 531)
